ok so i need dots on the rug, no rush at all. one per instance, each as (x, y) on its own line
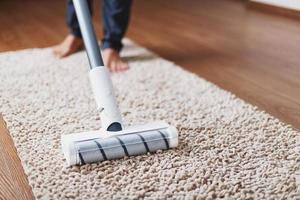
(227, 148)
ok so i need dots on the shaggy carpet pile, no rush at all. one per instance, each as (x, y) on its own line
(228, 148)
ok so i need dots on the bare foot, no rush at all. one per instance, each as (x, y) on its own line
(113, 60)
(70, 45)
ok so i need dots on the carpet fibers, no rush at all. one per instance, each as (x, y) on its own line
(228, 148)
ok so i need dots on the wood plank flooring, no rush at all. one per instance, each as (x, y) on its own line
(13, 181)
(253, 54)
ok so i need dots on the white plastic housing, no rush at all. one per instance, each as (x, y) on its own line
(104, 95)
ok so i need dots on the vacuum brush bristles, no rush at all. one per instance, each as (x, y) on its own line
(89, 147)
(112, 141)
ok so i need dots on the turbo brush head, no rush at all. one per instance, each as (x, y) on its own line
(96, 146)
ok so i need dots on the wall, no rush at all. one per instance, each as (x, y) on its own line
(291, 4)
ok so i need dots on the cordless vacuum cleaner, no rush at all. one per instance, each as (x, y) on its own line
(112, 141)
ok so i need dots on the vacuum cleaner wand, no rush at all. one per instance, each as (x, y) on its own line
(112, 141)
(88, 33)
(99, 76)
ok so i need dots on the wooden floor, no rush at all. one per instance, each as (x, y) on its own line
(253, 54)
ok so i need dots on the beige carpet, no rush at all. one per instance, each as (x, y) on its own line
(228, 148)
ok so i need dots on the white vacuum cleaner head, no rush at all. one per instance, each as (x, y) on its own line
(112, 141)
(95, 146)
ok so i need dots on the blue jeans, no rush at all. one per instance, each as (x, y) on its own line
(115, 16)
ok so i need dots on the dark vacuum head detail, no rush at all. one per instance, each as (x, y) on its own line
(116, 126)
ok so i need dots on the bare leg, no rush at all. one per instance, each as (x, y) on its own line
(113, 60)
(72, 44)
(115, 16)
(114, 12)
(73, 41)
(69, 45)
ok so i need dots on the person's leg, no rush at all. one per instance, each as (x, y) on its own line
(72, 18)
(115, 17)
(73, 41)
